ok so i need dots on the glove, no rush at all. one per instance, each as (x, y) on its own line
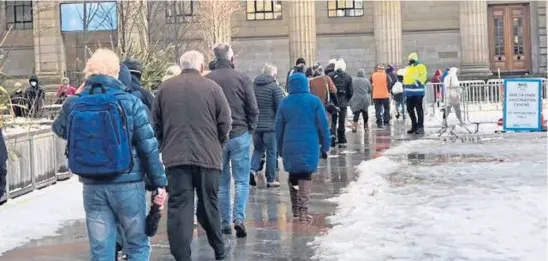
(417, 83)
(324, 155)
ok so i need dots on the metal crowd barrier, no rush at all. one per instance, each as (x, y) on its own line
(481, 101)
(36, 160)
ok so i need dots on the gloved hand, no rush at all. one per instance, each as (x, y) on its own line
(417, 83)
(324, 155)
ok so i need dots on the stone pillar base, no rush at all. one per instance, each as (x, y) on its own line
(480, 71)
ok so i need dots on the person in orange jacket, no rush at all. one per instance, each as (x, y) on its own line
(380, 82)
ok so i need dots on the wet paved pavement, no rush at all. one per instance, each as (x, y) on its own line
(272, 235)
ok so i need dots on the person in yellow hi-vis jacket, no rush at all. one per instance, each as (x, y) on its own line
(414, 81)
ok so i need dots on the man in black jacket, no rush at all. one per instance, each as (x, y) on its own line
(34, 96)
(269, 95)
(238, 90)
(343, 82)
(300, 65)
(136, 69)
(192, 122)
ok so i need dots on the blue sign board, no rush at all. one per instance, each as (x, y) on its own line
(522, 105)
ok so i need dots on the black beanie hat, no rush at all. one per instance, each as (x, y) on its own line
(300, 60)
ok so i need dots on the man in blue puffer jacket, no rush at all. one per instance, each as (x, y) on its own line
(121, 199)
(301, 123)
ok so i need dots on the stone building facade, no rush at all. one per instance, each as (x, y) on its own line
(481, 37)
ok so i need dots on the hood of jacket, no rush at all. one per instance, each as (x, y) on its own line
(298, 83)
(340, 65)
(35, 79)
(413, 56)
(438, 73)
(124, 75)
(361, 73)
(105, 80)
(453, 71)
(264, 79)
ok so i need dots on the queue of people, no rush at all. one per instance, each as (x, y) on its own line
(202, 123)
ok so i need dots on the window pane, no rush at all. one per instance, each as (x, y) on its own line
(277, 7)
(259, 16)
(102, 16)
(260, 6)
(358, 4)
(332, 13)
(27, 17)
(350, 12)
(71, 17)
(340, 12)
(341, 4)
(187, 7)
(499, 37)
(517, 27)
(251, 16)
(250, 6)
(331, 5)
(359, 12)
(349, 4)
(19, 13)
(268, 6)
(269, 16)
(10, 15)
(278, 15)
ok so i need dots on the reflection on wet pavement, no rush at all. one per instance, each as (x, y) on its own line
(272, 234)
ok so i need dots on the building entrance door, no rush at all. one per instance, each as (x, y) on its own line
(510, 38)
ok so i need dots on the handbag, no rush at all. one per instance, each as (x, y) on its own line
(329, 105)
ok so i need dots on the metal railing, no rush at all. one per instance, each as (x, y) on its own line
(481, 101)
(36, 160)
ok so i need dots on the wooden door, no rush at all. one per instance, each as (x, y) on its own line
(509, 38)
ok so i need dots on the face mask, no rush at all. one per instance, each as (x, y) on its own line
(33, 83)
(412, 62)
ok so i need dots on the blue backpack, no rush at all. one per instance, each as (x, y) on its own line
(98, 143)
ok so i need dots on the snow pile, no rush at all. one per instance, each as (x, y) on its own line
(491, 209)
(40, 213)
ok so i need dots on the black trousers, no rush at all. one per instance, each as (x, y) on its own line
(382, 105)
(183, 180)
(365, 116)
(295, 177)
(416, 113)
(338, 122)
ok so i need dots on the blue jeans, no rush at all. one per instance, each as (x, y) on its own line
(236, 152)
(265, 141)
(109, 204)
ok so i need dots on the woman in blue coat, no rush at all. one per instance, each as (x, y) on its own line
(301, 124)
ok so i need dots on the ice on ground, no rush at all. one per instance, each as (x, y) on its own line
(40, 213)
(423, 208)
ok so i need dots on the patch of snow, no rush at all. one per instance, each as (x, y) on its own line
(403, 210)
(40, 213)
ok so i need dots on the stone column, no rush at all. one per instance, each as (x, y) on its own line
(49, 51)
(302, 30)
(388, 32)
(474, 38)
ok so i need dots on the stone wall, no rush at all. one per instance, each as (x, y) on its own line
(252, 53)
(436, 49)
(358, 51)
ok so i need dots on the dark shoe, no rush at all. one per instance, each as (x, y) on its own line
(240, 229)
(227, 230)
(411, 131)
(379, 126)
(419, 131)
(226, 251)
(397, 116)
(333, 141)
(252, 181)
(342, 140)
